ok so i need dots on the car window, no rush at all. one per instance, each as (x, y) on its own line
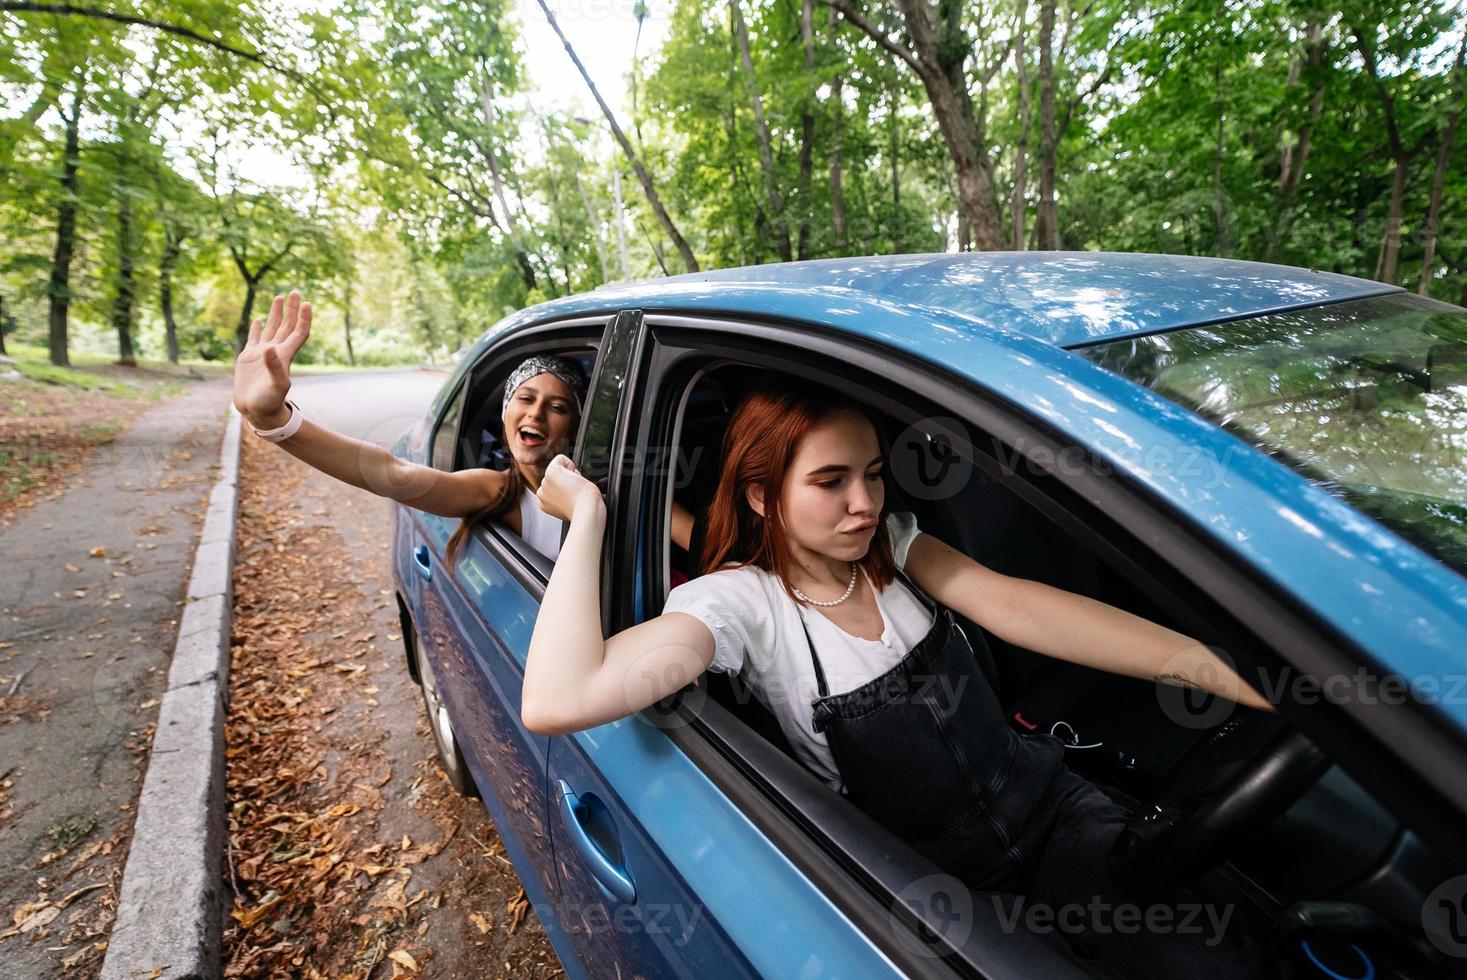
(1368, 399)
(477, 440)
(445, 437)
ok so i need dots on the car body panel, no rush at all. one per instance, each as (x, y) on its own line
(479, 667)
(695, 859)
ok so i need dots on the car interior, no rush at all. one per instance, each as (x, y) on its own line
(1339, 877)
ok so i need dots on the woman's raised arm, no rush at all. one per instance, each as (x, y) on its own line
(1071, 627)
(575, 678)
(261, 382)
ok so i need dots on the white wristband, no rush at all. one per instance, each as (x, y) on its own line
(287, 430)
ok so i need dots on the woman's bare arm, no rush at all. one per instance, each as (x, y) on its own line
(261, 382)
(682, 525)
(1071, 627)
(574, 677)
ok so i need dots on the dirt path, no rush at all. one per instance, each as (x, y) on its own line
(350, 855)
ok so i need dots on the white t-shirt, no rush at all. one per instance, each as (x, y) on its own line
(539, 529)
(757, 633)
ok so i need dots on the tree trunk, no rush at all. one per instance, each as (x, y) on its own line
(1046, 218)
(838, 150)
(621, 224)
(125, 296)
(807, 130)
(642, 173)
(4, 324)
(894, 153)
(593, 222)
(1294, 156)
(351, 355)
(173, 244)
(1021, 148)
(246, 313)
(1390, 246)
(761, 133)
(60, 289)
(1443, 156)
(943, 77)
(939, 51)
(496, 176)
(1220, 244)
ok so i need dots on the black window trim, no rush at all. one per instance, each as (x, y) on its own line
(1371, 745)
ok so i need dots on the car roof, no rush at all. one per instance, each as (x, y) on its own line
(1062, 298)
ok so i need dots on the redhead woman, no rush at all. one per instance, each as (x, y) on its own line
(541, 413)
(834, 610)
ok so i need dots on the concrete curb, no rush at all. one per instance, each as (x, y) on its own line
(171, 909)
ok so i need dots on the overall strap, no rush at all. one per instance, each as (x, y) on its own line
(819, 674)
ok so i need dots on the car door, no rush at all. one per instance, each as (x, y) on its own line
(476, 621)
(619, 830)
(661, 873)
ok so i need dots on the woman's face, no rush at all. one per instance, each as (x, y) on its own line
(540, 420)
(833, 493)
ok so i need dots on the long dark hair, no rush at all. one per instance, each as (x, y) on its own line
(509, 498)
(758, 449)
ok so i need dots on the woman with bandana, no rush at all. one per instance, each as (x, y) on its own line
(543, 400)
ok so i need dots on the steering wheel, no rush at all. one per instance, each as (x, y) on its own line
(1199, 817)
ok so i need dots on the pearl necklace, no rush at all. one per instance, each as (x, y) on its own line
(831, 602)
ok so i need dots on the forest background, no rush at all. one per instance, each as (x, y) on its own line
(435, 187)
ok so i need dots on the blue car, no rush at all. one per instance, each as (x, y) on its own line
(1270, 459)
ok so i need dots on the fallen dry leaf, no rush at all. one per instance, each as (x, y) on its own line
(41, 918)
(402, 956)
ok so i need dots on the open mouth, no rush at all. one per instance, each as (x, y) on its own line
(530, 436)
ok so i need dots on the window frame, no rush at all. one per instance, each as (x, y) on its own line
(529, 567)
(1294, 635)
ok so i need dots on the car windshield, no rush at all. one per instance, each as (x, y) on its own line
(1366, 398)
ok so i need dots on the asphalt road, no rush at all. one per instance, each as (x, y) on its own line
(377, 406)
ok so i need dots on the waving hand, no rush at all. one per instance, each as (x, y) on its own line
(262, 370)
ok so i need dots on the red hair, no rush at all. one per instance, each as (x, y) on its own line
(758, 448)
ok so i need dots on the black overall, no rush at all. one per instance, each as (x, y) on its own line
(926, 751)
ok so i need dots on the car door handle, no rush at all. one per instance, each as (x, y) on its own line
(614, 882)
(424, 563)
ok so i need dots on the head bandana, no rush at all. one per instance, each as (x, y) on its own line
(566, 370)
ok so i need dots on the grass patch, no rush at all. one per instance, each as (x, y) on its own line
(34, 364)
